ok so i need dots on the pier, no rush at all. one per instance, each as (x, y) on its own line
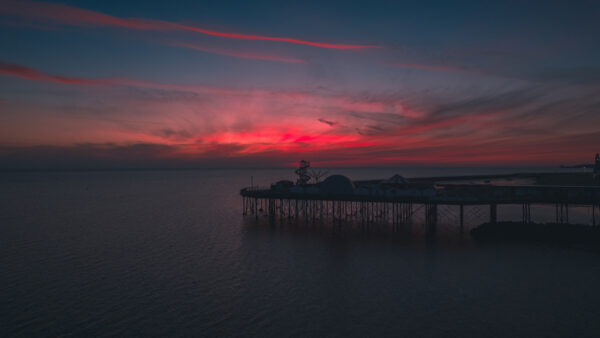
(398, 201)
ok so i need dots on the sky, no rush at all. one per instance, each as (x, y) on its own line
(169, 84)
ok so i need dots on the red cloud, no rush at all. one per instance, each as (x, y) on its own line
(32, 74)
(36, 75)
(321, 126)
(270, 38)
(68, 15)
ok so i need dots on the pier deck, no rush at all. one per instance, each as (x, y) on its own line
(453, 194)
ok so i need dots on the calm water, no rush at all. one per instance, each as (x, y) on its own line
(167, 253)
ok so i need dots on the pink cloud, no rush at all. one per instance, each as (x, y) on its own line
(32, 74)
(69, 15)
(249, 123)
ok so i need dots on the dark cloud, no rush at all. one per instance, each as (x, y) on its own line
(162, 95)
(567, 107)
(331, 123)
(33, 74)
(370, 130)
(445, 114)
(86, 155)
(177, 135)
(387, 118)
(508, 100)
(138, 155)
(573, 75)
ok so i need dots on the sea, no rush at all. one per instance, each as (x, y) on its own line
(168, 253)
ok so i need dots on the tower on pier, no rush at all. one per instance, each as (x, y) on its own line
(302, 172)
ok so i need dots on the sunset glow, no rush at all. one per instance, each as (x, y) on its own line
(124, 86)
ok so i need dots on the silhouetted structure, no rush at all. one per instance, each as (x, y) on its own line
(337, 185)
(396, 200)
(302, 172)
(317, 174)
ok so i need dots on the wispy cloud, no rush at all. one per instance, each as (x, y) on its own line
(579, 76)
(239, 54)
(433, 68)
(213, 154)
(32, 74)
(75, 16)
(448, 69)
(179, 123)
(327, 122)
(25, 72)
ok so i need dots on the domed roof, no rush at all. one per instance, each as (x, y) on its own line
(337, 184)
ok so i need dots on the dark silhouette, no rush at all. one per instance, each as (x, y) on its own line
(397, 200)
(302, 172)
(317, 174)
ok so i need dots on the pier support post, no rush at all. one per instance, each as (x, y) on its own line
(256, 208)
(493, 213)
